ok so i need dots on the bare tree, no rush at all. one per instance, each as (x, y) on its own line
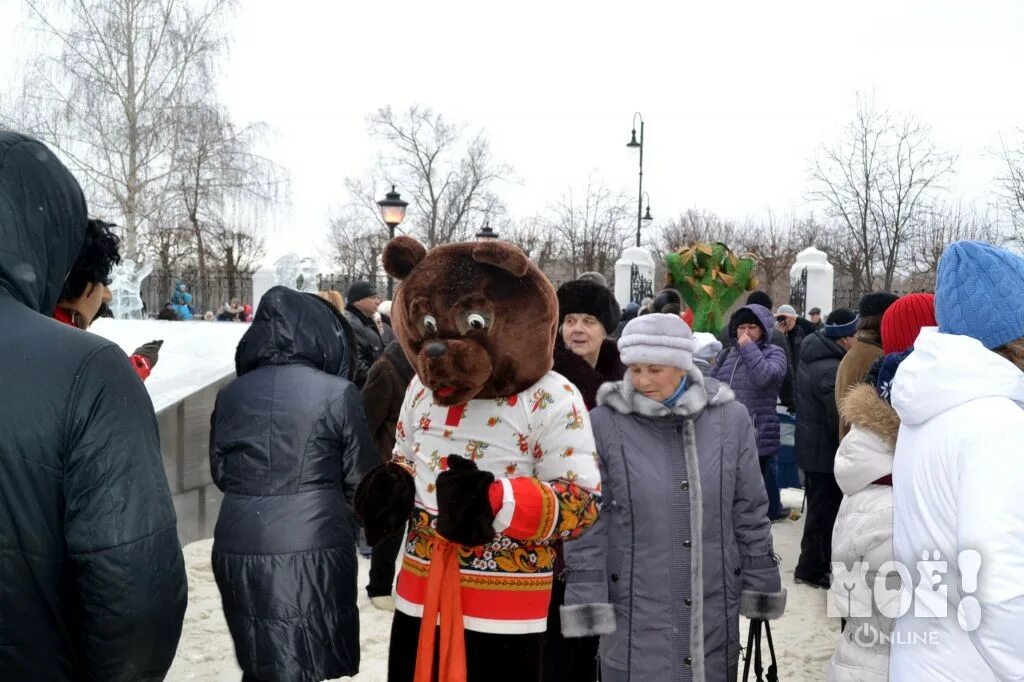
(449, 181)
(945, 224)
(357, 245)
(774, 244)
(216, 171)
(592, 227)
(875, 184)
(535, 237)
(695, 225)
(1011, 186)
(108, 99)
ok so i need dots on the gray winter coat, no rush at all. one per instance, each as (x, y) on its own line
(683, 544)
(755, 373)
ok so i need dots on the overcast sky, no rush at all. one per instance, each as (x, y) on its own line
(737, 96)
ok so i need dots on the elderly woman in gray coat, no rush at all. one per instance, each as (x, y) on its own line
(683, 545)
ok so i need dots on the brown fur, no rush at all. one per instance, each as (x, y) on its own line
(451, 281)
(334, 298)
(863, 408)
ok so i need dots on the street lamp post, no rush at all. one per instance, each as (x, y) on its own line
(633, 144)
(392, 211)
(486, 232)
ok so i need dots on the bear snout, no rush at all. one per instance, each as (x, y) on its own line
(460, 366)
(436, 349)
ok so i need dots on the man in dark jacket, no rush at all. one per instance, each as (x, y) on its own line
(755, 369)
(363, 300)
(92, 580)
(794, 329)
(817, 439)
(383, 395)
(289, 445)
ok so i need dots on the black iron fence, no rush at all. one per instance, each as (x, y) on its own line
(208, 293)
(341, 283)
(850, 298)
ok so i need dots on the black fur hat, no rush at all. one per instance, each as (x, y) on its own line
(583, 297)
(875, 303)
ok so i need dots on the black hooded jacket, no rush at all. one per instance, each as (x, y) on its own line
(817, 425)
(369, 344)
(92, 581)
(289, 444)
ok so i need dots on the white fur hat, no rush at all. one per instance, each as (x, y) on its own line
(707, 346)
(657, 339)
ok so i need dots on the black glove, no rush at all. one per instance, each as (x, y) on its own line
(464, 511)
(384, 501)
(150, 351)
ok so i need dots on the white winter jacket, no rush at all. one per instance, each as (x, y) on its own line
(959, 485)
(863, 533)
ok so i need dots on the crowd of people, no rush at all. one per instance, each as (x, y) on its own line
(907, 412)
(181, 309)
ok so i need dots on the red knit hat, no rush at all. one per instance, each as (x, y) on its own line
(904, 319)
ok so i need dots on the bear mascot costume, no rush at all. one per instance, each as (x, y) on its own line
(494, 460)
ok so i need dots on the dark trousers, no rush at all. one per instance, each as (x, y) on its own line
(567, 660)
(382, 564)
(770, 474)
(489, 658)
(823, 498)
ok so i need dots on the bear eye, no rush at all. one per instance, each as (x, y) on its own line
(430, 324)
(474, 322)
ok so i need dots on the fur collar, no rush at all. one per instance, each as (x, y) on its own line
(865, 409)
(586, 378)
(622, 397)
(870, 337)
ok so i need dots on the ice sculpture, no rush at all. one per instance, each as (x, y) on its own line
(297, 273)
(125, 283)
(286, 270)
(309, 276)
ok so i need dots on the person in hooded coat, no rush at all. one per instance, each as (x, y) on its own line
(289, 445)
(92, 579)
(777, 338)
(863, 527)
(958, 473)
(683, 545)
(755, 369)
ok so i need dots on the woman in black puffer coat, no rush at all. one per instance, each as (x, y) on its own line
(289, 444)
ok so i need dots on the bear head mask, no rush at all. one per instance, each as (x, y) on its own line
(476, 319)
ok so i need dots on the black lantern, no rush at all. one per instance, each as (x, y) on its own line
(486, 232)
(392, 209)
(633, 144)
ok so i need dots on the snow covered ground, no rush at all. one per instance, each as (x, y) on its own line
(804, 637)
(194, 354)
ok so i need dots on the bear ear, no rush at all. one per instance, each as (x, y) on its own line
(502, 255)
(401, 255)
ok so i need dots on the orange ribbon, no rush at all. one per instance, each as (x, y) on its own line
(444, 596)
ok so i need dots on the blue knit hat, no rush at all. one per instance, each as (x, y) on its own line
(979, 293)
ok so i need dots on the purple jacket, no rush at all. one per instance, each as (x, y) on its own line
(755, 373)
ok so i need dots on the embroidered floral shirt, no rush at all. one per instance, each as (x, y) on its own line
(540, 448)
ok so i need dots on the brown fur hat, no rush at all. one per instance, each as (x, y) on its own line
(475, 319)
